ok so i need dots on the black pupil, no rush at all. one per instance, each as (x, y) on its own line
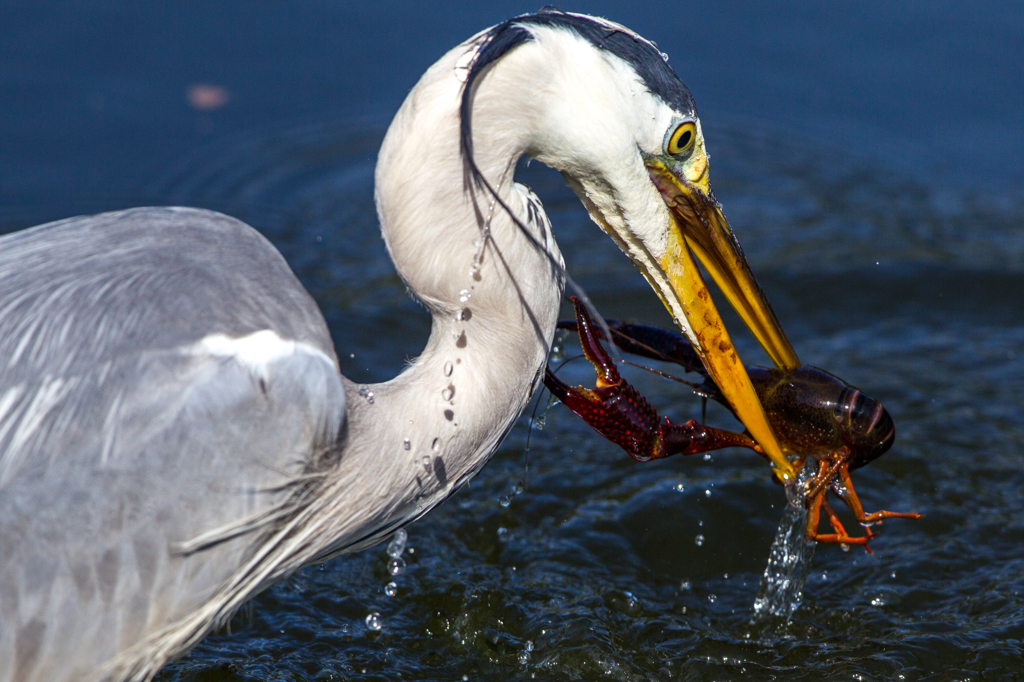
(684, 139)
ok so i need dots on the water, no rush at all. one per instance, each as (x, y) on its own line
(789, 560)
(868, 159)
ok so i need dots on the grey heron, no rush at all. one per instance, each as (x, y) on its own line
(174, 432)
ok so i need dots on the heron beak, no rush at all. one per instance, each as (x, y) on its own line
(698, 227)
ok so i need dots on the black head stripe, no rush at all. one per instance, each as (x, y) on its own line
(641, 55)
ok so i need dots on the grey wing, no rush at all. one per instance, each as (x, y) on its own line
(165, 383)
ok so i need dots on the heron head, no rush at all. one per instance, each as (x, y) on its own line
(608, 111)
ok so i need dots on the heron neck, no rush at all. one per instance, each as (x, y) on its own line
(492, 293)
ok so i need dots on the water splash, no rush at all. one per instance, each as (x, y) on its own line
(367, 394)
(789, 560)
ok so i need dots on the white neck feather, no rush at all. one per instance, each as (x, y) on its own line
(493, 295)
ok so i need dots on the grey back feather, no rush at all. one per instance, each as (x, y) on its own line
(137, 471)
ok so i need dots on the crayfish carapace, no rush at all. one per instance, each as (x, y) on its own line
(813, 414)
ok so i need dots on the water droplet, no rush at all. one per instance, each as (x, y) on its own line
(346, 629)
(712, 598)
(524, 657)
(464, 295)
(448, 367)
(725, 576)
(707, 456)
(374, 622)
(436, 445)
(396, 566)
(397, 544)
(449, 392)
(425, 461)
(407, 444)
(558, 346)
(680, 488)
(707, 493)
(700, 524)
(686, 585)
(699, 540)
(505, 501)
(391, 589)
(352, 355)
(529, 645)
(366, 393)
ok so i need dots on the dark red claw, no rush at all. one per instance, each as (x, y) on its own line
(617, 411)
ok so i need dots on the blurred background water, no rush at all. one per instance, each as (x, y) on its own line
(869, 159)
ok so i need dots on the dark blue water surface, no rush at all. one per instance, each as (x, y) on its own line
(869, 158)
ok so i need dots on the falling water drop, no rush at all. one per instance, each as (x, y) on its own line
(686, 585)
(407, 444)
(425, 461)
(391, 589)
(558, 346)
(396, 566)
(397, 544)
(699, 540)
(374, 622)
(464, 295)
(680, 488)
(436, 445)
(366, 393)
(707, 493)
(712, 598)
(449, 392)
(448, 367)
(707, 456)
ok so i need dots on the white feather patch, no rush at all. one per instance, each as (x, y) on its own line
(255, 351)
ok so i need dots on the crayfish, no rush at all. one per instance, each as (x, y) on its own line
(813, 414)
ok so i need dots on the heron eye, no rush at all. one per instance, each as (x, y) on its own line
(682, 138)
